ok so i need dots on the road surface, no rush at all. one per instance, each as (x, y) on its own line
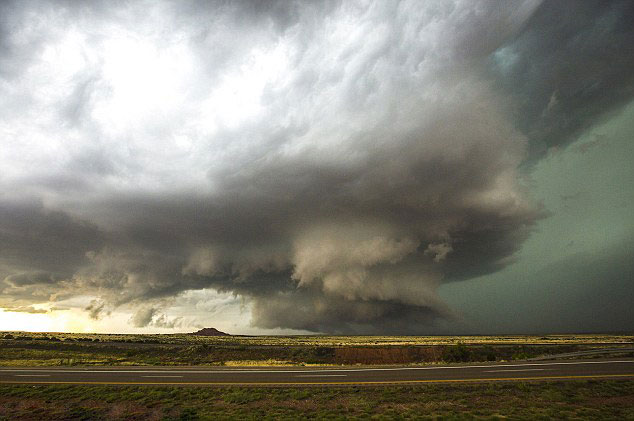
(517, 371)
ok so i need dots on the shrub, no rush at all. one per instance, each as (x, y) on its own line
(457, 353)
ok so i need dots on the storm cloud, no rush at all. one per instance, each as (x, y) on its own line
(333, 164)
(569, 68)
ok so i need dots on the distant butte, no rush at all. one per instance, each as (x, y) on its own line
(210, 331)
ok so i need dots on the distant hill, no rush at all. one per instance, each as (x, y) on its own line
(209, 331)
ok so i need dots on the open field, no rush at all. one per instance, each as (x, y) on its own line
(325, 340)
(604, 399)
(61, 349)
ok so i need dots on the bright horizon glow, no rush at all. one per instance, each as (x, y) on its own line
(73, 320)
(29, 322)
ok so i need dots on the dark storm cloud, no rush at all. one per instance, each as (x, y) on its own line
(596, 291)
(332, 163)
(45, 244)
(592, 292)
(40, 250)
(312, 311)
(30, 278)
(570, 66)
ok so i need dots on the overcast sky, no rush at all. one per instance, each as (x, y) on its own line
(334, 167)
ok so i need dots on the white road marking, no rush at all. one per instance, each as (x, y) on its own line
(321, 375)
(32, 375)
(326, 370)
(521, 369)
(161, 376)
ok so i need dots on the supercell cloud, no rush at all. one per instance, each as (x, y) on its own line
(331, 164)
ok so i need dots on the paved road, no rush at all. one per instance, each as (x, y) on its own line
(564, 370)
(581, 354)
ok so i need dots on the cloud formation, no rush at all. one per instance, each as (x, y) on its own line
(568, 68)
(331, 163)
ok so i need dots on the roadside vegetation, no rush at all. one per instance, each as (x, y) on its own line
(63, 349)
(579, 400)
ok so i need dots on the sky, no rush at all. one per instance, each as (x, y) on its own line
(280, 167)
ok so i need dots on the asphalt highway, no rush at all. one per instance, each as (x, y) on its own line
(516, 371)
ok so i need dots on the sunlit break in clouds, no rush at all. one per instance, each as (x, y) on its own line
(336, 167)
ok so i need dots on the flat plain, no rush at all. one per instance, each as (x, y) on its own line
(70, 349)
(545, 399)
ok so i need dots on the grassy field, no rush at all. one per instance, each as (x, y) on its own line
(324, 340)
(59, 349)
(577, 400)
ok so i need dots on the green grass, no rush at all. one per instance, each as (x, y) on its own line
(540, 400)
(64, 349)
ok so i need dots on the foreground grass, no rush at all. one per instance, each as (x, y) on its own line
(59, 349)
(540, 400)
